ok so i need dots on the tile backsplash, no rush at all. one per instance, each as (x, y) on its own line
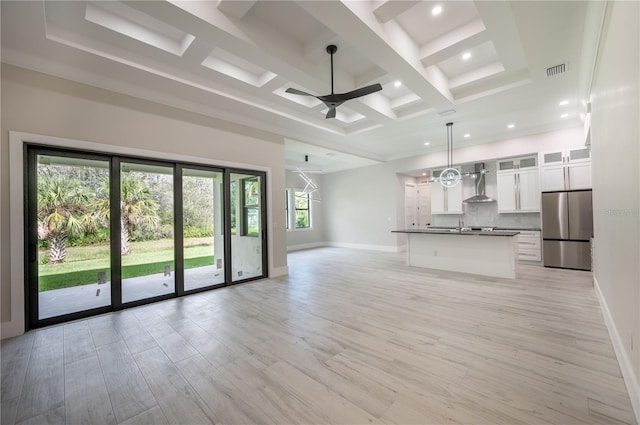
(479, 215)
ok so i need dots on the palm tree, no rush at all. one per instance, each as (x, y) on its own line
(62, 212)
(137, 209)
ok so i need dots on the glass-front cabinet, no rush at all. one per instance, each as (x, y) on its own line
(518, 185)
(567, 169)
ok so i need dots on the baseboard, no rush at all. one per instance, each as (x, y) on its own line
(384, 248)
(279, 271)
(305, 246)
(11, 329)
(621, 354)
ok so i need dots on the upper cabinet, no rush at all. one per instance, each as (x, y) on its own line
(565, 169)
(518, 188)
(445, 200)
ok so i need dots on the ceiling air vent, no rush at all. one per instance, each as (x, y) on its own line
(556, 70)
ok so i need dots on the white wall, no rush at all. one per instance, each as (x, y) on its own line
(362, 206)
(44, 105)
(615, 142)
(306, 238)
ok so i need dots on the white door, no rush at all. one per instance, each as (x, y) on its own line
(410, 206)
(529, 190)
(552, 178)
(579, 176)
(506, 192)
(424, 205)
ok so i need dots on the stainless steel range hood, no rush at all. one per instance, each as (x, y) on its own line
(479, 197)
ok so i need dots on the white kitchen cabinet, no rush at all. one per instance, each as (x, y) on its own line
(506, 192)
(579, 176)
(518, 190)
(445, 200)
(565, 170)
(512, 164)
(529, 246)
(564, 156)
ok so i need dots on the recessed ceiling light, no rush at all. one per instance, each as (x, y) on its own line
(427, 143)
(564, 115)
(436, 10)
(397, 83)
(424, 174)
(511, 125)
(564, 102)
(467, 135)
(466, 56)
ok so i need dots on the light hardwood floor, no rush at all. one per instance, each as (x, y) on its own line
(349, 337)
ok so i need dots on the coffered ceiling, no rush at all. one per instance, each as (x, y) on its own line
(481, 64)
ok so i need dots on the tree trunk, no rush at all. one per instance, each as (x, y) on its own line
(57, 247)
(125, 248)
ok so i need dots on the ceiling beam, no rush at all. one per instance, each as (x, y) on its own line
(268, 48)
(235, 8)
(501, 28)
(388, 46)
(453, 43)
(389, 9)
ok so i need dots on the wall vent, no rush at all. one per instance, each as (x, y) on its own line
(556, 70)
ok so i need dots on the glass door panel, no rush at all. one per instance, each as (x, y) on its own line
(146, 231)
(72, 218)
(247, 246)
(203, 229)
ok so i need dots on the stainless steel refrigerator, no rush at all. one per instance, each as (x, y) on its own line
(567, 229)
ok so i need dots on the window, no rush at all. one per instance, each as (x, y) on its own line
(234, 206)
(303, 218)
(287, 194)
(250, 206)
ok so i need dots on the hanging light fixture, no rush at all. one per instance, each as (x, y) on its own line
(310, 187)
(450, 177)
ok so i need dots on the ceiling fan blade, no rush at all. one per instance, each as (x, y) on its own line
(362, 91)
(300, 92)
(331, 113)
(338, 98)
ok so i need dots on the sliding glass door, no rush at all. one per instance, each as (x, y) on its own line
(247, 242)
(146, 231)
(105, 232)
(202, 228)
(70, 232)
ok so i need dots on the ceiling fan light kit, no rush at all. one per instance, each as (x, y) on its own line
(333, 100)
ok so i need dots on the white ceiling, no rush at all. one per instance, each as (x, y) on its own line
(234, 59)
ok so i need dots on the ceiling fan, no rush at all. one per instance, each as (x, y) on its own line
(334, 100)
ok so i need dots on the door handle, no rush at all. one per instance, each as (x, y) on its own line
(518, 200)
(515, 189)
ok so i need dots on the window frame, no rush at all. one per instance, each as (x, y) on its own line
(307, 209)
(287, 209)
(247, 207)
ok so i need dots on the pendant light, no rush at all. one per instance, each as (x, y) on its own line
(450, 177)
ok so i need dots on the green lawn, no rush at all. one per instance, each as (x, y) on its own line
(84, 263)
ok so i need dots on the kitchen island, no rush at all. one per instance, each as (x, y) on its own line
(491, 253)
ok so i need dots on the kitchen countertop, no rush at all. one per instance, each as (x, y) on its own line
(452, 231)
(530, 229)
